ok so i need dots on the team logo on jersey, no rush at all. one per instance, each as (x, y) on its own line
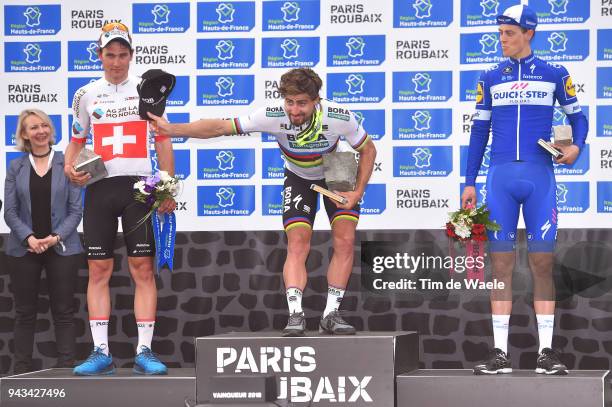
(568, 85)
(604, 196)
(127, 139)
(291, 15)
(422, 13)
(226, 16)
(236, 200)
(160, 18)
(32, 20)
(480, 92)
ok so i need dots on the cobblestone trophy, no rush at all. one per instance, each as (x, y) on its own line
(340, 169)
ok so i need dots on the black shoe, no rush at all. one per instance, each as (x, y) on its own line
(296, 326)
(333, 324)
(497, 363)
(549, 363)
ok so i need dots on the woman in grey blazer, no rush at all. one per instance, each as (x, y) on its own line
(42, 210)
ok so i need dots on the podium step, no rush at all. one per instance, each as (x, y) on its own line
(460, 388)
(60, 388)
(323, 370)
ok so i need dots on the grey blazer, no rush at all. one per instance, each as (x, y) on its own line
(66, 207)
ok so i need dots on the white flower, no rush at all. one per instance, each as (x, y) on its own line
(463, 231)
(140, 185)
(165, 177)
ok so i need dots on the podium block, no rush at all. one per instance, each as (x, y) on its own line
(60, 388)
(316, 369)
(460, 388)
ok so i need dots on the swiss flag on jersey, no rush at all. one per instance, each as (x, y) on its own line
(127, 139)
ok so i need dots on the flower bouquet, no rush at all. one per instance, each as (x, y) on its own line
(152, 191)
(469, 226)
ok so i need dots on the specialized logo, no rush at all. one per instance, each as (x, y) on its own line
(160, 18)
(291, 15)
(127, 139)
(357, 87)
(544, 229)
(422, 13)
(226, 16)
(415, 124)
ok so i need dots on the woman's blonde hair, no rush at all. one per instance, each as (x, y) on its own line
(21, 143)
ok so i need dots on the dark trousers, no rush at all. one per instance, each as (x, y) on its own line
(61, 273)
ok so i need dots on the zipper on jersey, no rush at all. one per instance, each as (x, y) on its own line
(518, 116)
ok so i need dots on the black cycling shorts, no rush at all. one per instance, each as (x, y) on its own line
(300, 203)
(107, 200)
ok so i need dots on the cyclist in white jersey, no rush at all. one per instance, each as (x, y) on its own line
(108, 108)
(306, 127)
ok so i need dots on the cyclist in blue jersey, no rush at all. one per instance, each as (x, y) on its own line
(514, 102)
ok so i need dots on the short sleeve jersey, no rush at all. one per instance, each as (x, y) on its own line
(110, 113)
(305, 160)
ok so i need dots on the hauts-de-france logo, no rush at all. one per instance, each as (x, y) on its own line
(225, 200)
(355, 50)
(291, 15)
(160, 18)
(32, 56)
(356, 87)
(423, 161)
(225, 49)
(422, 13)
(422, 82)
(226, 16)
(355, 84)
(83, 56)
(566, 45)
(422, 157)
(561, 11)
(226, 197)
(33, 19)
(225, 158)
(414, 124)
(355, 46)
(489, 8)
(489, 43)
(226, 163)
(290, 52)
(225, 53)
(558, 41)
(225, 89)
(483, 12)
(480, 48)
(421, 119)
(431, 86)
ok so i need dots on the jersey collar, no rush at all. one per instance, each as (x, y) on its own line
(529, 58)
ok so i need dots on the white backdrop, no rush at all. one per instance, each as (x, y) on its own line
(408, 67)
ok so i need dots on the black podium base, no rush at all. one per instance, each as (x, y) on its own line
(321, 370)
(60, 388)
(460, 388)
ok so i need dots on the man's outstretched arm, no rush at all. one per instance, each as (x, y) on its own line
(204, 128)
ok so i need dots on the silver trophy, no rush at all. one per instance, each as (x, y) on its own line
(340, 169)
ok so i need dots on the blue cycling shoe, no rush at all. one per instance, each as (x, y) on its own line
(98, 363)
(148, 363)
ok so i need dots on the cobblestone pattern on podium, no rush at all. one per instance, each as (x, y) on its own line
(232, 281)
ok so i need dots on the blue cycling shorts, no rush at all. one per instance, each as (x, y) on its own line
(533, 186)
